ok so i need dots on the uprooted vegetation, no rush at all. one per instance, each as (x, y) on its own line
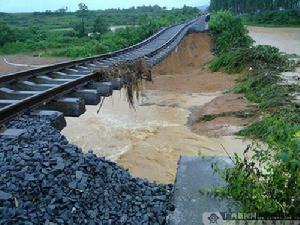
(131, 73)
(267, 182)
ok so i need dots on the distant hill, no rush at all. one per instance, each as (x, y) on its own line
(203, 7)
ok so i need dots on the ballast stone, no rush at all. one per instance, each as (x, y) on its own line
(53, 182)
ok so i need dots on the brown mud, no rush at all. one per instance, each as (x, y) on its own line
(186, 69)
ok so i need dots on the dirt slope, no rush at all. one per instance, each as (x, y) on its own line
(185, 70)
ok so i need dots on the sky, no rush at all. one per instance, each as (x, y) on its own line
(42, 5)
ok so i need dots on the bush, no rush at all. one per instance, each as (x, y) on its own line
(6, 34)
(229, 32)
(86, 50)
(267, 183)
(276, 129)
(256, 57)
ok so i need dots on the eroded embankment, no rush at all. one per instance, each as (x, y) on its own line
(149, 140)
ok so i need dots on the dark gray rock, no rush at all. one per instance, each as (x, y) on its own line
(29, 177)
(79, 175)
(5, 195)
(53, 182)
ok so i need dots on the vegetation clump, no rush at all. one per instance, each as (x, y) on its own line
(131, 73)
(229, 32)
(268, 181)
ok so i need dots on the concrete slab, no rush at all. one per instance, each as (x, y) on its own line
(73, 107)
(104, 88)
(195, 174)
(90, 96)
(57, 118)
(116, 84)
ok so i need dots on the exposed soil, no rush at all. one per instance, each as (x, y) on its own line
(24, 62)
(186, 70)
(223, 125)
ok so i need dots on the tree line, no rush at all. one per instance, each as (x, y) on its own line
(84, 32)
(251, 6)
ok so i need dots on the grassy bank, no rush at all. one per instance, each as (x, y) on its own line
(268, 182)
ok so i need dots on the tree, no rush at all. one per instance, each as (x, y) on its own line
(6, 34)
(48, 12)
(62, 10)
(82, 13)
(100, 25)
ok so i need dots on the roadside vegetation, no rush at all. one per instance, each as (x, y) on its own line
(266, 181)
(83, 33)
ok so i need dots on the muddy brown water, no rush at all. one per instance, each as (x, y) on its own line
(286, 39)
(150, 139)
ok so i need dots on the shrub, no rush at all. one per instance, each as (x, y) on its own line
(6, 34)
(256, 57)
(228, 31)
(268, 183)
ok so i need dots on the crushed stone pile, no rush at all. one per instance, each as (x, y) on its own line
(46, 180)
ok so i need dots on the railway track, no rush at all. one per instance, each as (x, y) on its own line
(69, 86)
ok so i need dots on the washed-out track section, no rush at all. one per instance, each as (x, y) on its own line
(67, 87)
(47, 180)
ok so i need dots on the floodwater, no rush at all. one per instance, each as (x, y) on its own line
(150, 139)
(286, 39)
(147, 140)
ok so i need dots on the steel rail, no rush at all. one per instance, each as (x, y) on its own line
(54, 67)
(29, 103)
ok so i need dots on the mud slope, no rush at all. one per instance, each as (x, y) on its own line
(185, 70)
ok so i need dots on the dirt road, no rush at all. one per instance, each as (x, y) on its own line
(15, 63)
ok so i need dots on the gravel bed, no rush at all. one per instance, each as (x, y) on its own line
(46, 180)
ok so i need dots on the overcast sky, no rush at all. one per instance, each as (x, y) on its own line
(42, 5)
